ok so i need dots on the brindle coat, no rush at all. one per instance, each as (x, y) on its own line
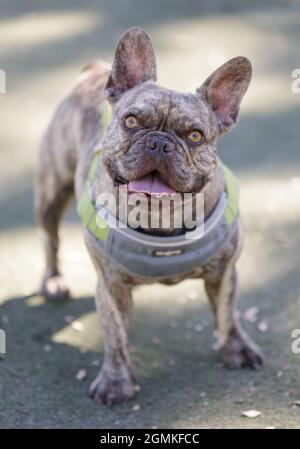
(65, 156)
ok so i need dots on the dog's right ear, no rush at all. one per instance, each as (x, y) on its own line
(134, 63)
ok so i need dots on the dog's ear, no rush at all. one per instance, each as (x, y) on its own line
(225, 88)
(134, 63)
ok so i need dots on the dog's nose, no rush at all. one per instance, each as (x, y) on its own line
(160, 143)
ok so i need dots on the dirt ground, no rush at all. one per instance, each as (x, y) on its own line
(183, 384)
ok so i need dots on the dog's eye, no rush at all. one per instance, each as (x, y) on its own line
(131, 122)
(195, 136)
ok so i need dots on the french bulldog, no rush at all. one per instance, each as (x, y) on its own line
(154, 131)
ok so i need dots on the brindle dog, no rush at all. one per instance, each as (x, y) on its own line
(146, 119)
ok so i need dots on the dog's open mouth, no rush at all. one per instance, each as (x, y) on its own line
(151, 184)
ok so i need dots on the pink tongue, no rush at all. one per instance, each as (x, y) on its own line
(151, 184)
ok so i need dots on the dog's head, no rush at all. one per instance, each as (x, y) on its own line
(161, 141)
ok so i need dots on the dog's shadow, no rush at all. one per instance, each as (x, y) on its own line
(179, 373)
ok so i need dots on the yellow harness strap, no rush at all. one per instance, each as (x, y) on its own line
(85, 207)
(232, 190)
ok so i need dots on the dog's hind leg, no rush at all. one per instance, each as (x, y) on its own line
(66, 148)
(53, 190)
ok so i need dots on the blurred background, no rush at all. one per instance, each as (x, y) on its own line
(43, 47)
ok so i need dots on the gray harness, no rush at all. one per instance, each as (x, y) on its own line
(141, 254)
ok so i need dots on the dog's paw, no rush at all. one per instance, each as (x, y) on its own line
(111, 389)
(240, 352)
(55, 289)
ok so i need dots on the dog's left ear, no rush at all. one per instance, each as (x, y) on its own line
(134, 63)
(225, 88)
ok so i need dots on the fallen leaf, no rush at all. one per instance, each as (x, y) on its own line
(136, 408)
(77, 326)
(251, 314)
(81, 375)
(263, 326)
(251, 413)
(297, 403)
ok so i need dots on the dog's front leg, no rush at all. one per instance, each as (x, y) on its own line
(114, 304)
(237, 349)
